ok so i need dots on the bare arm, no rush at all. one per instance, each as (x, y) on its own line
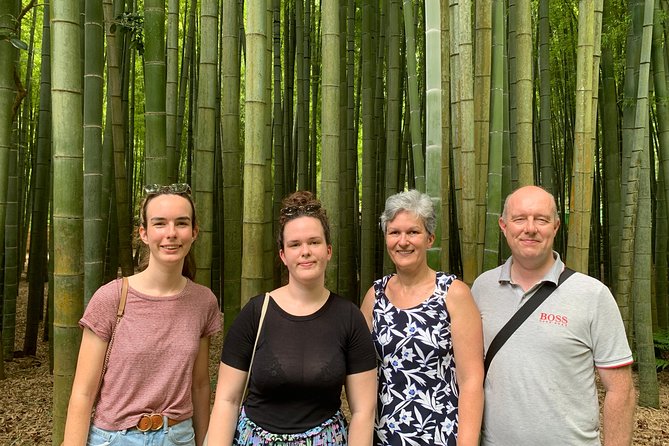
(368, 306)
(619, 404)
(200, 391)
(84, 388)
(467, 335)
(361, 396)
(225, 414)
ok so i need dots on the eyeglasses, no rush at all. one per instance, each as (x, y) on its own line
(176, 188)
(307, 209)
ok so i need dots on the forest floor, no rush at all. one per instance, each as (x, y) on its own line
(26, 396)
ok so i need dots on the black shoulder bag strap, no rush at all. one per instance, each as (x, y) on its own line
(545, 290)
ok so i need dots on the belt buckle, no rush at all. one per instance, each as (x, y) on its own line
(150, 422)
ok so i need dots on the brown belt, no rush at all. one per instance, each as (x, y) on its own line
(154, 421)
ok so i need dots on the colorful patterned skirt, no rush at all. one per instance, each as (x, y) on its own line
(331, 432)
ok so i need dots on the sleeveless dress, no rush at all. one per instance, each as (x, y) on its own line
(418, 392)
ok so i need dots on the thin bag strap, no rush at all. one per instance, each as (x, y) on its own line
(121, 304)
(263, 311)
(545, 290)
(119, 316)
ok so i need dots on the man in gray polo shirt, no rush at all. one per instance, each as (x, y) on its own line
(540, 388)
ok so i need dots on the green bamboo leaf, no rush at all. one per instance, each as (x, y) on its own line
(18, 43)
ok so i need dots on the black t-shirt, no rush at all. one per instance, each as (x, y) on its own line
(301, 362)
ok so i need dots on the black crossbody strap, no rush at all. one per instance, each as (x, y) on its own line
(545, 290)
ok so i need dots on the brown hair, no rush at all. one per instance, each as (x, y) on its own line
(302, 204)
(189, 267)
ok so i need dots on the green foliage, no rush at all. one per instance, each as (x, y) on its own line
(661, 341)
(11, 35)
(18, 44)
(132, 23)
(615, 27)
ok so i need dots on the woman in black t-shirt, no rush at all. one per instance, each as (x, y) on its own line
(311, 343)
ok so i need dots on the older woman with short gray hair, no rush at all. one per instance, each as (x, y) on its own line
(428, 338)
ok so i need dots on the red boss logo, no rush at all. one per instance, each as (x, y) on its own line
(551, 318)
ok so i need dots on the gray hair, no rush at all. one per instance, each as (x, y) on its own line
(412, 201)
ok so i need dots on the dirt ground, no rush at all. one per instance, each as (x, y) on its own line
(25, 397)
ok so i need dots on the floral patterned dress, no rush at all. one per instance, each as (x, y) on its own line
(418, 392)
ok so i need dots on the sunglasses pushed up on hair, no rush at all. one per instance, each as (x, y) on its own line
(176, 188)
(307, 209)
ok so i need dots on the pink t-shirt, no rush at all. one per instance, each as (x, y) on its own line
(151, 361)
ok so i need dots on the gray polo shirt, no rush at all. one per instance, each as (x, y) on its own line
(540, 388)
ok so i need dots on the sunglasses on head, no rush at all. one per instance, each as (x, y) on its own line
(176, 188)
(307, 209)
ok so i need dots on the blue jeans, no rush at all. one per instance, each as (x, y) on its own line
(178, 435)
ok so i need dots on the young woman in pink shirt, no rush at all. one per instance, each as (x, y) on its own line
(156, 382)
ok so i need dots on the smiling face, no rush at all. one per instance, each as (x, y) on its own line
(407, 240)
(529, 225)
(168, 230)
(305, 251)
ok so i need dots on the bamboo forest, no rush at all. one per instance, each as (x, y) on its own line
(355, 100)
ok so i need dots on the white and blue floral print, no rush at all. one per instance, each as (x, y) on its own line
(418, 392)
